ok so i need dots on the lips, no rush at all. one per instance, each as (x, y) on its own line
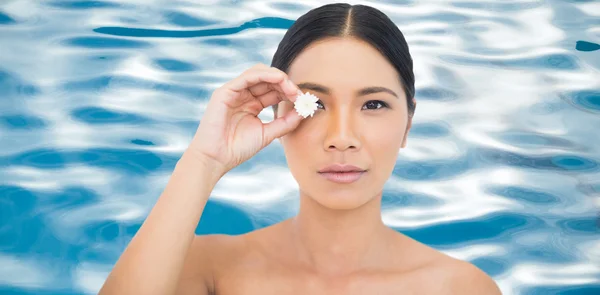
(341, 168)
(340, 173)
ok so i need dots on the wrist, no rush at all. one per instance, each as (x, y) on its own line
(196, 161)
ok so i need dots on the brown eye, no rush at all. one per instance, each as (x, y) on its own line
(375, 104)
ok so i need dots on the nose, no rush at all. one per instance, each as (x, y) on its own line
(341, 132)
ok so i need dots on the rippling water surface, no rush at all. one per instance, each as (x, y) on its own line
(98, 99)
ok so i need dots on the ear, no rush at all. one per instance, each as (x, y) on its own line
(406, 132)
(408, 126)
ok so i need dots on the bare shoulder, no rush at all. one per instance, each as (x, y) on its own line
(454, 276)
(206, 253)
(460, 277)
(215, 258)
(463, 277)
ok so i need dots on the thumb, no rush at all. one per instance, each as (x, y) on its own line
(280, 126)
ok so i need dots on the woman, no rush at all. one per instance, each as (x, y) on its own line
(358, 64)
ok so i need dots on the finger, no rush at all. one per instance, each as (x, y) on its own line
(252, 78)
(262, 88)
(280, 126)
(270, 98)
(290, 88)
(261, 66)
(287, 87)
(266, 100)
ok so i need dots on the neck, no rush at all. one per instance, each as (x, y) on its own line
(338, 242)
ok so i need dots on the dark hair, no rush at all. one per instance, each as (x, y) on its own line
(344, 20)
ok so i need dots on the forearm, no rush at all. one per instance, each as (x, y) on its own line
(153, 260)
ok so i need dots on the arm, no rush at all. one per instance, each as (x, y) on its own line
(160, 259)
(153, 261)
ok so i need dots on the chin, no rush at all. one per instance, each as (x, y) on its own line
(340, 199)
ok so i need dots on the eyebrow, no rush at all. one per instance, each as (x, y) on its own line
(361, 92)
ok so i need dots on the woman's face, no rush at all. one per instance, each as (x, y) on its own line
(362, 121)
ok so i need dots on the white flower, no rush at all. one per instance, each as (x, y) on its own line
(306, 104)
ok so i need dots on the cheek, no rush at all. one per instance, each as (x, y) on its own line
(385, 142)
(300, 156)
(386, 130)
(300, 144)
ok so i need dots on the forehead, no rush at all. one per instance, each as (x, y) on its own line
(344, 62)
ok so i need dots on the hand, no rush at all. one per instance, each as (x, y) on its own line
(230, 131)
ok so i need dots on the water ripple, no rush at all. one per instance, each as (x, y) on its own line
(265, 22)
(12, 87)
(5, 19)
(548, 61)
(97, 115)
(104, 82)
(433, 93)
(582, 225)
(536, 140)
(587, 46)
(464, 232)
(22, 121)
(557, 162)
(587, 100)
(105, 42)
(184, 20)
(85, 4)
(527, 195)
(174, 65)
(430, 129)
(431, 169)
(132, 161)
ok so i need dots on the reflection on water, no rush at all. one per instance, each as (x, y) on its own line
(99, 99)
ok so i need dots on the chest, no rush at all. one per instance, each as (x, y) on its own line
(298, 282)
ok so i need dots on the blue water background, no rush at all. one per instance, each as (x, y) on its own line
(98, 99)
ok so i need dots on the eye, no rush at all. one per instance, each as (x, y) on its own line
(320, 105)
(375, 104)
